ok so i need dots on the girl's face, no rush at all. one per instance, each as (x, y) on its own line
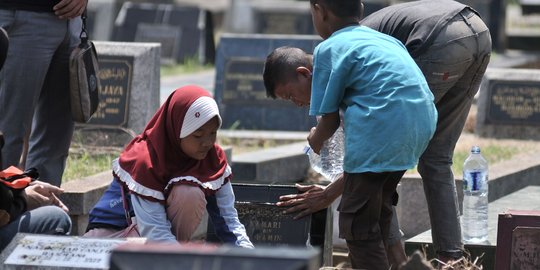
(197, 144)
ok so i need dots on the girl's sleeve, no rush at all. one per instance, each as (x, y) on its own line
(152, 220)
(224, 216)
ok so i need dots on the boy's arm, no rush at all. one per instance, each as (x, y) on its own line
(327, 125)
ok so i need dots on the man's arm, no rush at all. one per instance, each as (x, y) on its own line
(327, 125)
(313, 198)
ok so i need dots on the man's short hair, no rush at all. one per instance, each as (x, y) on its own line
(280, 67)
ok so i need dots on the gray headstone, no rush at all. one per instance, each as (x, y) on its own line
(509, 104)
(129, 93)
(100, 18)
(240, 91)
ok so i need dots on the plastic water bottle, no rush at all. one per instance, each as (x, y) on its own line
(474, 221)
(330, 162)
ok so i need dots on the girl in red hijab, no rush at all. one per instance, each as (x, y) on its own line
(174, 170)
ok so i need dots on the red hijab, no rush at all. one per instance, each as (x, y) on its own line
(154, 160)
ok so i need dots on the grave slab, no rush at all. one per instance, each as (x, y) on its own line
(197, 256)
(266, 225)
(281, 164)
(518, 240)
(194, 24)
(509, 104)
(48, 252)
(525, 199)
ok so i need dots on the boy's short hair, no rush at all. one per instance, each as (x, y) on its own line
(280, 67)
(342, 8)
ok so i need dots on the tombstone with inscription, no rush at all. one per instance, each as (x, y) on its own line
(184, 31)
(266, 225)
(129, 92)
(518, 240)
(239, 87)
(509, 104)
(32, 251)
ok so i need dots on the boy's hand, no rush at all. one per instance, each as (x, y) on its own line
(310, 201)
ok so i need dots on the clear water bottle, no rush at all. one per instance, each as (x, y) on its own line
(330, 162)
(474, 221)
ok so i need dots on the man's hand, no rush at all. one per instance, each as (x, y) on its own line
(69, 9)
(310, 201)
(42, 194)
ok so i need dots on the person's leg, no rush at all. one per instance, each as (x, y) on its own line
(359, 214)
(185, 209)
(453, 66)
(34, 38)
(52, 127)
(42, 220)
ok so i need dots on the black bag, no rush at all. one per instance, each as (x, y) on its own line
(83, 78)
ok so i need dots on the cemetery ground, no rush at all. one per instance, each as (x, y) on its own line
(91, 157)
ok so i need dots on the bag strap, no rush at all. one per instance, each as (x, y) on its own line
(84, 34)
(125, 203)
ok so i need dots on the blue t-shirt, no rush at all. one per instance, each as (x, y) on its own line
(389, 114)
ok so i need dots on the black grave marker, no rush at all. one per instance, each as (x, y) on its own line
(169, 37)
(266, 225)
(195, 25)
(240, 91)
(514, 103)
(115, 74)
(199, 256)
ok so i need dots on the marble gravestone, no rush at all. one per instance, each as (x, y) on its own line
(129, 86)
(239, 88)
(48, 252)
(509, 104)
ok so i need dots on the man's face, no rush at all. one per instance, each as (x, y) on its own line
(297, 91)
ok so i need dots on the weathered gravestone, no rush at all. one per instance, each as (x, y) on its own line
(199, 256)
(185, 32)
(240, 91)
(266, 225)
(100, 18)
(279, 16)
(129, 92)
(529, 6)
(509, 104)
(47, 252)
(518, 240)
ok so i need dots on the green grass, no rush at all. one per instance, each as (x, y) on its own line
(85, 162)
(190, 65)
(492, 153)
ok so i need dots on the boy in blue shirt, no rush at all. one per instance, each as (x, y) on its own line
(389, 117)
